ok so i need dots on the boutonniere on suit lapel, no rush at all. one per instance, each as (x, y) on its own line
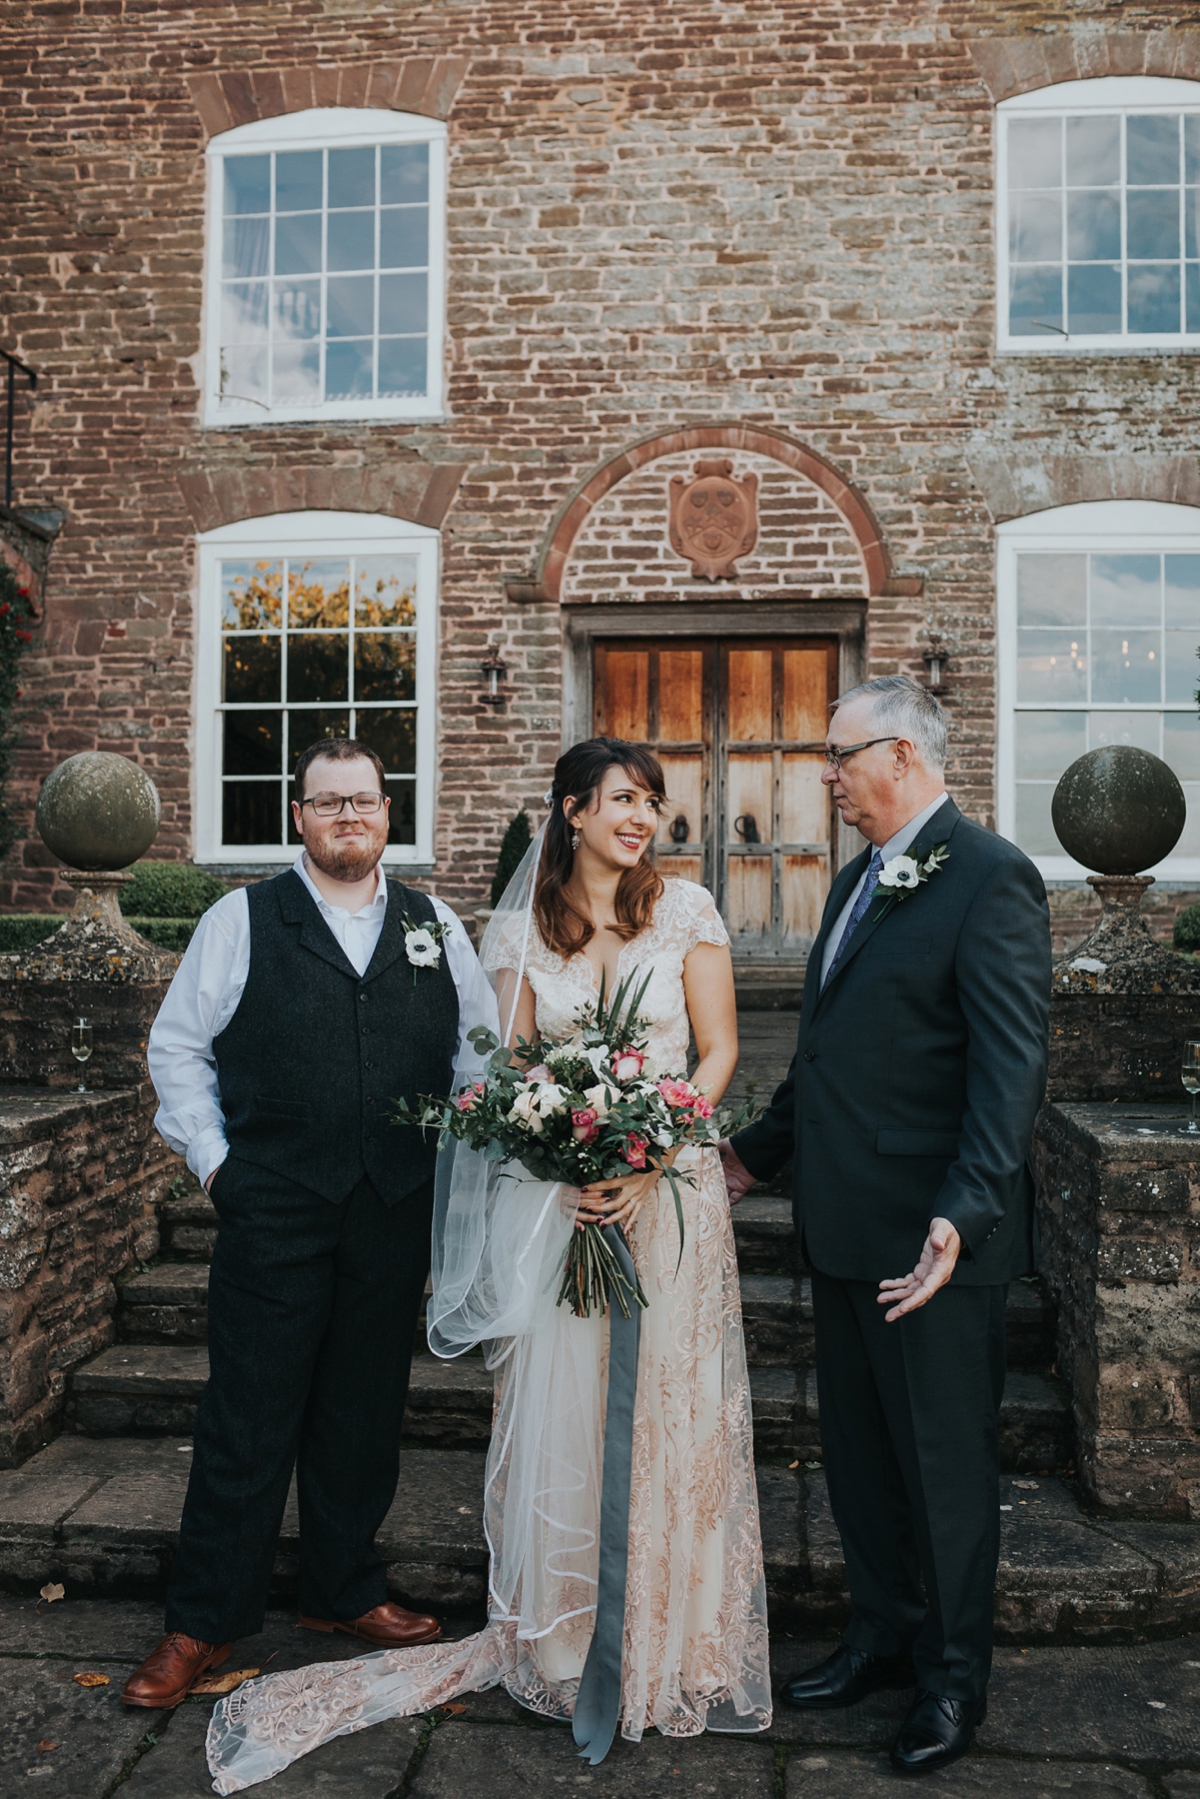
(423, 943)
(903, 874)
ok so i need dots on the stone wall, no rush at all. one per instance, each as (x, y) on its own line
(1119, 1208)
(80, 1177)
(737, 210)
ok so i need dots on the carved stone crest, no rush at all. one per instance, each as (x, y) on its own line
(713, 518)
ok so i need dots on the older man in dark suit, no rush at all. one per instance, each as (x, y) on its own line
(908, 1110)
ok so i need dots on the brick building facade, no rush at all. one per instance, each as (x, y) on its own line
(758, 236)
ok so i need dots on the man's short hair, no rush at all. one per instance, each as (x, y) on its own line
(901, 705)
(336, 749)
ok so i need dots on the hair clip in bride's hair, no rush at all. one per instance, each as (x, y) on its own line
(548, 797)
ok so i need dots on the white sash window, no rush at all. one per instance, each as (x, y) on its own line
(312, 624)
(325, 284)
(1098, 216)
(1099, 613)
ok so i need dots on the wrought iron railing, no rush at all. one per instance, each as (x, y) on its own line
(14, 363)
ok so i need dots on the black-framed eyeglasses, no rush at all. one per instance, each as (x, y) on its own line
(835, 755)
(330, 805)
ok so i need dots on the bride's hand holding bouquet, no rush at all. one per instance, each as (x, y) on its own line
(592, 1112)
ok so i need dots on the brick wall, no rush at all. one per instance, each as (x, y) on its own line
(762, 211)
(623, 553)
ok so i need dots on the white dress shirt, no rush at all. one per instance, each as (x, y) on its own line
(209, 984)
(895, 846)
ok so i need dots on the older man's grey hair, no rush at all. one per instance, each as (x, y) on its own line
(901, 707)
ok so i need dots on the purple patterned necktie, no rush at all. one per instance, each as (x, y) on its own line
(866, 894)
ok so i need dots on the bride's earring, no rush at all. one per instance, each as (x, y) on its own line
(574, 840)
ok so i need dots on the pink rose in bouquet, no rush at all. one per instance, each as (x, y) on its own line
(634, 1150)
(584, 1127)
(679, 1095)
(627, 1064)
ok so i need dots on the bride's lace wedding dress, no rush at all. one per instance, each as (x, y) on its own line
(695, 1643)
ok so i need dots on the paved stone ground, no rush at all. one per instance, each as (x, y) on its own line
(1117, 1723)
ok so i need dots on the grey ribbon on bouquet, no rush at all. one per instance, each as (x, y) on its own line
(598, 1702)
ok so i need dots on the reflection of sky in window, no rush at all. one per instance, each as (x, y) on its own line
(305, 316)
(1115, 636)
(1112, 249)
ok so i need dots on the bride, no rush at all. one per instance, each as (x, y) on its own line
(587, 904)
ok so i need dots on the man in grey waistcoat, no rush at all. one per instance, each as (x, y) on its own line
(303, 1007)
(908, 1112)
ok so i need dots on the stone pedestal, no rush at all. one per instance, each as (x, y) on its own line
(94, 967)
(1119, 1211)
(1121, 1006)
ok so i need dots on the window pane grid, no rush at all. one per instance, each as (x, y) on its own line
(1106, 653)
(322, 300)
(311, 647)
(1104, 225)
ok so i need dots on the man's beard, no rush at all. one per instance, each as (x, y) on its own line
(351, 862)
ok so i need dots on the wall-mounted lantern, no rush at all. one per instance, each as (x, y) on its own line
(935, 658)
(493, 668)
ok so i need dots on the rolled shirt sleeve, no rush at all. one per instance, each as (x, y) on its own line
(476, 995)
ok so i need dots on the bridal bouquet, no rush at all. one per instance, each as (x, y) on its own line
(590, 1107)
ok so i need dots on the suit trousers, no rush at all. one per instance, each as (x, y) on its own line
(312, 1310)
(909, 1430)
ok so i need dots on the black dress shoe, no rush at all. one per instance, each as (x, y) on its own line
(936, 1732)
(848, 1676)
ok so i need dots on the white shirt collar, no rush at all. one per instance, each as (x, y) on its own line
(908, 834)
(378, 904)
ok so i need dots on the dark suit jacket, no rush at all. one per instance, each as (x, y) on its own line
(920, 1068)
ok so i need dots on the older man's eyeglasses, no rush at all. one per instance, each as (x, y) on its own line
(329, 805)
(836, 753)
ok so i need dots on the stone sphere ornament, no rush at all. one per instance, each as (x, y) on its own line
(98, 811)
(1118, 810)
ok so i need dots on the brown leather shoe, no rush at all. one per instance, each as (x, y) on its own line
(167, 1675)
(387, 1624)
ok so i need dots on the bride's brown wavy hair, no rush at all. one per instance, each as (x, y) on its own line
(578, 775)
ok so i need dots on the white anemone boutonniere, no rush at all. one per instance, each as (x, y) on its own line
(423, 943)
(904, 873)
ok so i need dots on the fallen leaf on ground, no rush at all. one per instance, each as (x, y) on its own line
(453, 1711)
(46, 1744)
(793, 1464)
(53, 1590)
(1158, 1705)
(91, 1680)
(223, 1683)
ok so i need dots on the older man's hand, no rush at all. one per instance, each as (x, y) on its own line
(934, 1267)
(738, 1178)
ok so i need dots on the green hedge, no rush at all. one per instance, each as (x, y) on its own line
(169, 890)
(1187, 929)
(167, 933)
(21, 930)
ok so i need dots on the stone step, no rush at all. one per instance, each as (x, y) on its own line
(1035, 1422)
(764, 1234)
(187, 1226)
(1065, 1575)
(777, 1334)
(166, 1303)
(102, 1516)
(153, 1389)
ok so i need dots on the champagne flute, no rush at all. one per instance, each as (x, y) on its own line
(1191, 1080)
(81, 1046)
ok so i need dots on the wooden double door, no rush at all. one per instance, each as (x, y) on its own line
(739, 725)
